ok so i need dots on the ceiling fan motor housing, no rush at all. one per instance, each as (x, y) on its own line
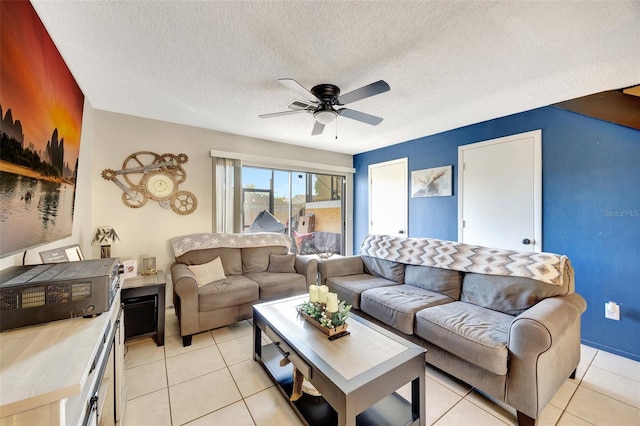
(326, 93)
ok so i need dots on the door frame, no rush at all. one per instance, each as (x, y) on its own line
(537, 180)
(405, 173)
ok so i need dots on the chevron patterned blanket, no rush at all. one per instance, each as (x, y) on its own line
(545, 267)
(181, 245)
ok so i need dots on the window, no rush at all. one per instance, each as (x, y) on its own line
(307, 206)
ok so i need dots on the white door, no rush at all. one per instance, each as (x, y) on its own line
(388, 189)
(500, 192)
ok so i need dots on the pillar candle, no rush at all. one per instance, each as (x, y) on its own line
(313, 293)
(332, 302)
(323, 290)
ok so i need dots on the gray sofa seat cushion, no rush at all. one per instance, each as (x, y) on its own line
(275, 285)
(230, 257)
(396, 306)
(510, 295)
(475, 334)
(234, 290)
(350, 287)
(388, 269)
(256, 259)
(436, 279)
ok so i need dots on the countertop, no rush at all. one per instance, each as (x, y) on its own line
(46, 363)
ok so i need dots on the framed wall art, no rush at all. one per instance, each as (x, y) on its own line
(434, 182)
(41, 112)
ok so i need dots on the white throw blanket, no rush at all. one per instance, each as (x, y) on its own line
(546, 267)
(181, 245)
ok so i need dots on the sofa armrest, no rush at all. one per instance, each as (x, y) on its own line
(307, 265)
(340, 267)
(544, 349)
(185, 289)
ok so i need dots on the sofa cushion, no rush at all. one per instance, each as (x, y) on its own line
(388, 269)
(475, 334)
(282, 263)
(273, 285)
(231, 260)
(256, 259)
(510, 295)
(208, 272)
(349, 287)
(443, 281)
(232, 291)
(396, 305)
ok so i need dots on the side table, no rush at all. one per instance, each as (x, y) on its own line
(143, 298)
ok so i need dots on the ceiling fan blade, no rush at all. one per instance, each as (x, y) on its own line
(360, 116)
(278, 114)
(372, 89)
(318, 128)
(298, 104)
(299, 89)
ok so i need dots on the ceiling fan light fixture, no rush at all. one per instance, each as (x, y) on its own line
(325, 116)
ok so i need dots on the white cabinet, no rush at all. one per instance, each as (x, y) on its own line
(50, 372)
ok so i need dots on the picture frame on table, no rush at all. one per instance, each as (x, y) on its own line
(130, 268)
(62, 254)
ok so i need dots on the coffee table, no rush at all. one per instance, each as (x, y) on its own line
(357, 374)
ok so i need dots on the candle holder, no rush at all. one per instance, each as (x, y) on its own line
(330, 323)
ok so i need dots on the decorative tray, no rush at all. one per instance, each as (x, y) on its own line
(328, 331)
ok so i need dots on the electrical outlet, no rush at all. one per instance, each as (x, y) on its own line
(612, 311)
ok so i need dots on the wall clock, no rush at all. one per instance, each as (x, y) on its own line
(148, 175)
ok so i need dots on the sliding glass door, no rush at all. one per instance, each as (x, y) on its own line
(307, 206)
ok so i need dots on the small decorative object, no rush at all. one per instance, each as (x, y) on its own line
(323, 290)
(329, 317)
(322, 253)
(156, 177)
(105, 236)
(434, 182)
(148, 265)
(130, 268)
(313, 293)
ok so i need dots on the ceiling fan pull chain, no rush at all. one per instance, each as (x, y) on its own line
(336, 128)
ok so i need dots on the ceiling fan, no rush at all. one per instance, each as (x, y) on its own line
(324, 102)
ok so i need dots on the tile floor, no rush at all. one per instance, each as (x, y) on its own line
(216, 382)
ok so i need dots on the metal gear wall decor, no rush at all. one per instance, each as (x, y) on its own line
(156, 177)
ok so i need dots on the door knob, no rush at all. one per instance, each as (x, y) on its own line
(526, 241)
(401, 232)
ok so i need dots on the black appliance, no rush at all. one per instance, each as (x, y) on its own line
(37, 294)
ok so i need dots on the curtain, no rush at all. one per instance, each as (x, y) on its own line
(227, 190)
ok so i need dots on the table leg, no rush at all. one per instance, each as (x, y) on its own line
(257, 339)
(418, 394)
(161, 315)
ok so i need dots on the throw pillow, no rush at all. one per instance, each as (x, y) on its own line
(282, 263)
(208, 272)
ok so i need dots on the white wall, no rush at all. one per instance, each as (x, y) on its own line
(149, 229)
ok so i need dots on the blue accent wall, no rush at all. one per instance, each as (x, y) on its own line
(591, 207)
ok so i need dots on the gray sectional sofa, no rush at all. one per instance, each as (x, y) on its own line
(257, 267)
(505, 322)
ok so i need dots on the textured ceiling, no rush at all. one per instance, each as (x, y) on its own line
(449, 63)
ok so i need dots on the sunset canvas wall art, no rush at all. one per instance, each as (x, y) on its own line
(40, 124)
